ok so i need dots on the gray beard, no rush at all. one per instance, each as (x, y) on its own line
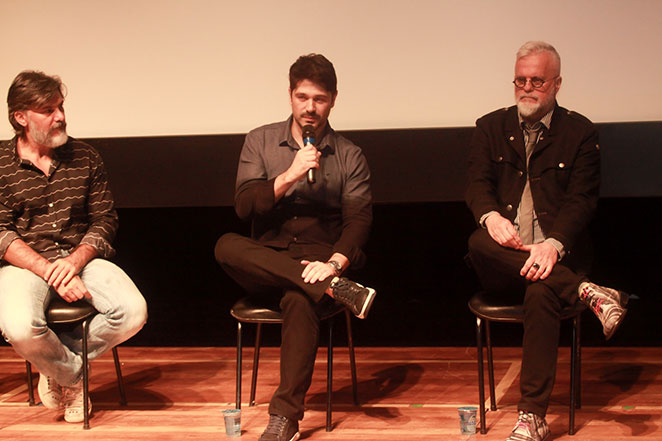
(51, 140)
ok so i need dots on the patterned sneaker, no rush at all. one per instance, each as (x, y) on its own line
(356, 297)
(529, 427)
(50, 392)
(280, 428)
(73, 403)
(607, 304)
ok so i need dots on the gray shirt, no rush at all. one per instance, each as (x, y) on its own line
(333, 213)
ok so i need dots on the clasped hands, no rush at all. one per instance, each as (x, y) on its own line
(62, 275)
(542, 256)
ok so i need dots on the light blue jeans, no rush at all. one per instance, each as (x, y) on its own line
(24, 296)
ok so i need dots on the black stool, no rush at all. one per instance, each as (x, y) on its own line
(493, 309)
(60, 312)
(252, 309)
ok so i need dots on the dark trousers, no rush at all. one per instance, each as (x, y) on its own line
(498, 269)
(260, 269)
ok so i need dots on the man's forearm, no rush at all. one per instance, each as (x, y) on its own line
(21, 255)
(81, 255)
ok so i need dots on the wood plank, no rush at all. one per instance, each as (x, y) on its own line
(405, 393)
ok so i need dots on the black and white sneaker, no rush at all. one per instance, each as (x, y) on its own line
(529, 427)
(280, 428)
(357, 298)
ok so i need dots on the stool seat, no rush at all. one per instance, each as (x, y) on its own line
(507, 310)
(61, 312)
(257, 309)
(251, 310)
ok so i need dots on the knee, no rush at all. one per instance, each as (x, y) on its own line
(479, 243)
(225, 249)
(134, 315)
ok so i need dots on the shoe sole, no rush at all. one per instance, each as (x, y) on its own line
(618, 325)
(367, 304)
(625, 297)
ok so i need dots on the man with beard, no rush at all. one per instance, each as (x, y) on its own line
(57, 222)
(306, 232)
(534, 174)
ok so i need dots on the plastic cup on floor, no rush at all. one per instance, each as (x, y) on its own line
(232, 419)
(467, 419)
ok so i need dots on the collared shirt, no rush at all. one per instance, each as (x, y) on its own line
(333, 212)
(53, 214)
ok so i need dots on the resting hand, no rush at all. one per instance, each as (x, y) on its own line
(544, 255)
(62, 271)
(316, 271)
(73, 290)
(502, 231)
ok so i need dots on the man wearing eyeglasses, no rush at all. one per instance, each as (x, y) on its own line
(534, 176)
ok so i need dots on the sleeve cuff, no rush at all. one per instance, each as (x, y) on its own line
(484, 217)
(558, 245)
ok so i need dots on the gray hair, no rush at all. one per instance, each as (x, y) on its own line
(533, 47)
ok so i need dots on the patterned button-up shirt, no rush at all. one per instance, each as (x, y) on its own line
(53, 214)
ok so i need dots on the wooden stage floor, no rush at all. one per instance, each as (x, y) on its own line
(405, 394)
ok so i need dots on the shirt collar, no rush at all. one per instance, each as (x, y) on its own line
(328, 137)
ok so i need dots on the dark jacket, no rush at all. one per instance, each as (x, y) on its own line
(564, 167)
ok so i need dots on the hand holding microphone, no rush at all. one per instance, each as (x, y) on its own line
(308, 133)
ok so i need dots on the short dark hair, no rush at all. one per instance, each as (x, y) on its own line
(31, 90)
(315, 68)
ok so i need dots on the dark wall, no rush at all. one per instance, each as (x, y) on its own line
(175, 193)
(415, 263)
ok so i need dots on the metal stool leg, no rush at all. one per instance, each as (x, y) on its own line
(481, 374)
(578, 401)
(120, 379)
(238, 373)
(256, 361)
(329, 376)
(573, 378)
(86, 391)
(490, 366)
(352, 359)
(28, 373)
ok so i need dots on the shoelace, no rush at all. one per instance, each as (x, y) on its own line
(523, 422)
(276, 425)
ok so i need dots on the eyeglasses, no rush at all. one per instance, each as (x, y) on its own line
(536, 83)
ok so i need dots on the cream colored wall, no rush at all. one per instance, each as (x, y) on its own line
(141, 67)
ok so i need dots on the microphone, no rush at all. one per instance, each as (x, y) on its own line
(309, 138)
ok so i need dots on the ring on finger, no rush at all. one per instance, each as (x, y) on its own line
(536, 265)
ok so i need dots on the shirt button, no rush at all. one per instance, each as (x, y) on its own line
(54, 225)
(512, 138)
(500, 158)
(509, 207)
(50, 205)
(541, 138)
(294, 238)
(561, 165)
(520, 173)
(295, 217)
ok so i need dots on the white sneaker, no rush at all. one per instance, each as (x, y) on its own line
(73, 403)
(50, 392)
